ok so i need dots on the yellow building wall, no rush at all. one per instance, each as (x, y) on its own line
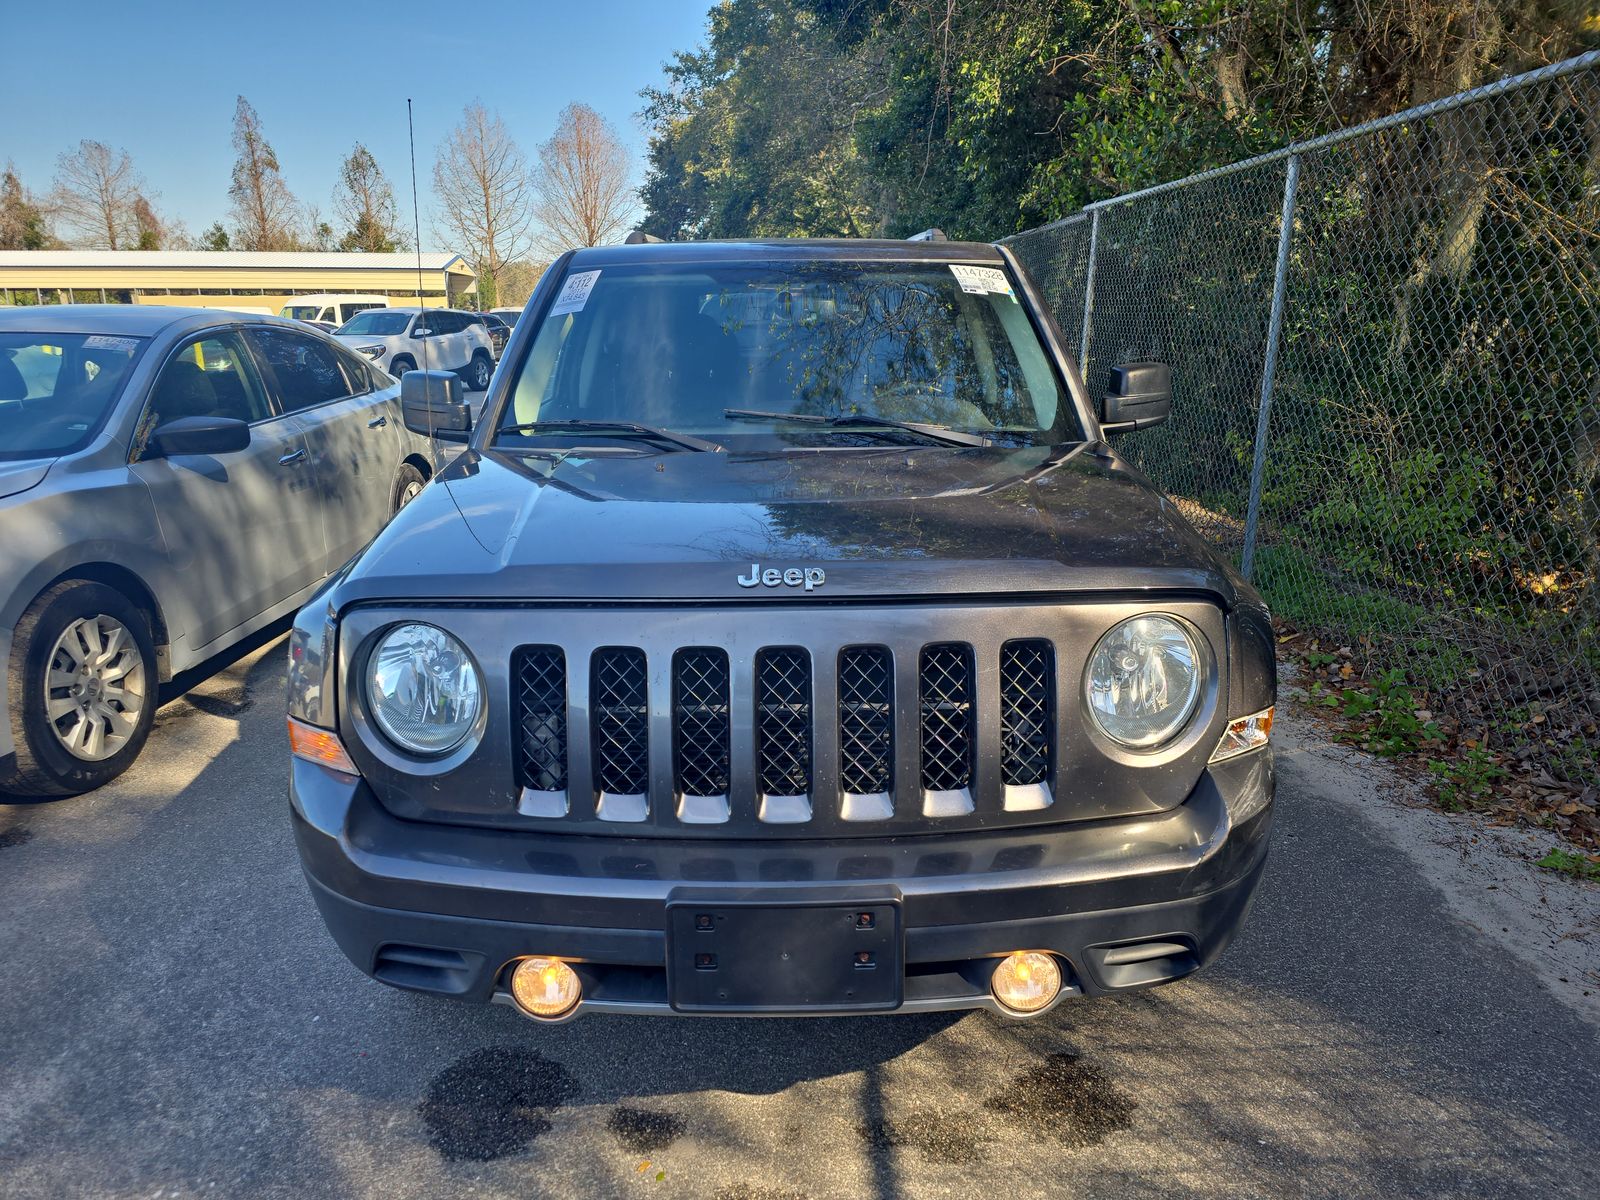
(199, 287)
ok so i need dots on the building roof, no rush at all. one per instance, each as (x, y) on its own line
(230, 259)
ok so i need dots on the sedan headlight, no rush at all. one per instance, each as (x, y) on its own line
(1144, 681)
(423, 689)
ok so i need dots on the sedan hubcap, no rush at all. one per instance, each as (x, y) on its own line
(411, 492)
(95, 687)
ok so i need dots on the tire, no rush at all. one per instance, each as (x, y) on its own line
(480, 371)
(400, 364)
(106, 700)
(407, 483)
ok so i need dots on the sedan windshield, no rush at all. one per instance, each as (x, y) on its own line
(56, 388)
(813, 354)
(376, 322)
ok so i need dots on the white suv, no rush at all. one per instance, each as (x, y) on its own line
(427, 339)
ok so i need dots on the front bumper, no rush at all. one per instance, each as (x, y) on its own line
(446, 909)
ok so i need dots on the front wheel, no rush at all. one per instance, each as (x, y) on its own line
(399, 366)
(479, 373)
(407, 483)
(83, 690)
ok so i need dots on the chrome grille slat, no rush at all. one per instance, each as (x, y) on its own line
(945, 701)
(866, 721)
(619, 729)
(700, 721)
(1027, 718)
(541, 675)
(783, 722)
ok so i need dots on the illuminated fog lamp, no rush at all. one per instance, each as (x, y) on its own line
(545, 988)
(1026, 981)
(1243, 735)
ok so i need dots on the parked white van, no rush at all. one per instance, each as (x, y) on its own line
(334, 308)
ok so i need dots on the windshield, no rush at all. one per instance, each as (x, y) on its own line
(56, 388)
(675, 345)
(376, 322)
(301, 312)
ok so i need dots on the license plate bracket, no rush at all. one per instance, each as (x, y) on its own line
(757, 956)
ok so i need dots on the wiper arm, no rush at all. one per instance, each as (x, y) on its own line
(939, 433)
(578, 424)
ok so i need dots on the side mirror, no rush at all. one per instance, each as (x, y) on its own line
(432, 404)
(421, 331)
(199, 435)
(1140, 396)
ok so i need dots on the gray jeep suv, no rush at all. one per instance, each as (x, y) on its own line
(787, 638)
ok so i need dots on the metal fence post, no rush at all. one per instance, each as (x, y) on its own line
(1291, 184)
(1088, 293)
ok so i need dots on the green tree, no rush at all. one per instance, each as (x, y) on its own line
(22, 221)
(364, 203)
(215, 238)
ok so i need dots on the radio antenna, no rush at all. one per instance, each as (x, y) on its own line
(416, 219)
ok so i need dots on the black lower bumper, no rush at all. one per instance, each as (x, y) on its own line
(1122, 903)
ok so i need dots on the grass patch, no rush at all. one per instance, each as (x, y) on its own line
(1570, 862)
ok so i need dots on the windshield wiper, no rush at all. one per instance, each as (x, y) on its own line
(939, 433)
(580, 425)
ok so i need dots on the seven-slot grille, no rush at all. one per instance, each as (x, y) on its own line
(783, 716)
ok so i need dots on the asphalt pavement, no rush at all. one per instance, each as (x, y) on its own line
(176, 1022)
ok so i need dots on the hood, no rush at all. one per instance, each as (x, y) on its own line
(815, 526)
(18, 477)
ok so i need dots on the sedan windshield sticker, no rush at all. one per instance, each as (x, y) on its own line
(982, 281)
(100, 341)
(575, 293)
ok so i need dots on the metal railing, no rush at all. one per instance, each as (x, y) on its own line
(1386, 355)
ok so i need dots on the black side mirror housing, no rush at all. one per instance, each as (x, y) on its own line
(199, 435)
(1140, 396)
(432, 404)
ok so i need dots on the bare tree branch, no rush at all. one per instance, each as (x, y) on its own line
(485, 195)
(265, 212)
(96, 188)
(583, 189)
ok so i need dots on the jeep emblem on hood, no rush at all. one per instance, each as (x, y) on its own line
(810, 577)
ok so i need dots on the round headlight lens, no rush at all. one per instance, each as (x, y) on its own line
(1144, 681)
(423, 689)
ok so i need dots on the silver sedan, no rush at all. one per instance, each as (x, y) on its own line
(171, 482)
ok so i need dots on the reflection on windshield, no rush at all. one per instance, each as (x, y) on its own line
(675, 345)
(55, 389)
(375, 322)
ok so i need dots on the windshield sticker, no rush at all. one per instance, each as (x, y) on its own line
(575, 293)
(982, 281)
(100, 341)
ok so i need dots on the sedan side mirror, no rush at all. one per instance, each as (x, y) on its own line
(199, 435)
(432, 404)
(1140, 396)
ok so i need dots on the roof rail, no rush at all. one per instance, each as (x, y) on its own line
(928, 235)
(638, 237)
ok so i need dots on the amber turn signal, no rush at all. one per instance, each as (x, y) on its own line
(321, 746)
(1244, 734)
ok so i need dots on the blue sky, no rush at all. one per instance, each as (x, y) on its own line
(159, 79)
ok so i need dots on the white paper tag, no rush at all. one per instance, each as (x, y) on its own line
(101, 341)
(575, 293)
(982, 281)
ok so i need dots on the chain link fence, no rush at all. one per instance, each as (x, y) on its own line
(1386, 357)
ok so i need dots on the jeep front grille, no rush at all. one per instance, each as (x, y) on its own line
(830, 738)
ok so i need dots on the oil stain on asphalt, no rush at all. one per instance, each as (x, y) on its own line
(937, 1137)
(493, 1102)
(14, 837)
(643, 1130)
(1064, 1098)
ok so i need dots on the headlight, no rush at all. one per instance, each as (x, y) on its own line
(423, 689)
(373, 352)
(1143, 681)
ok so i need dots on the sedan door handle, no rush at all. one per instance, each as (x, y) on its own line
(293, 456)
(377, 422)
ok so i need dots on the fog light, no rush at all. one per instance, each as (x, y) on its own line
(1026, 981)
(545, 987)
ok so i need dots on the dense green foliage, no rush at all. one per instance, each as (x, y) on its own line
(887, 116)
